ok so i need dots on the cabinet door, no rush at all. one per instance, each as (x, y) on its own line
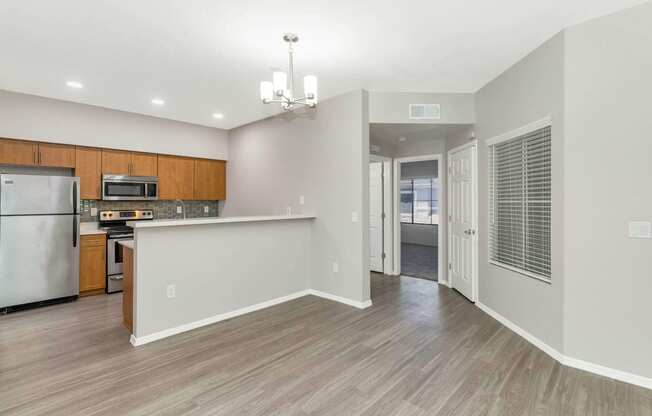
(92, 263)
(176, 177)
(210, 180)
(16, 152)
(88, 166)
(56, 155)
(144, 164)
(116, 162)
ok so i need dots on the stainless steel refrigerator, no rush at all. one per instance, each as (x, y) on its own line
(39, 239)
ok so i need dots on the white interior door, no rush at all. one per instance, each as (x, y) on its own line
(462, 227)
(376, 216)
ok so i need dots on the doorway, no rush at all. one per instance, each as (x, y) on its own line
(418, 186)
(380, 215)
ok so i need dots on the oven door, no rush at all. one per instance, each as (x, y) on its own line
(114, 264)
(114, 254)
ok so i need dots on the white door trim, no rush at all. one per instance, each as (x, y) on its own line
(397, 212)
(471, 143)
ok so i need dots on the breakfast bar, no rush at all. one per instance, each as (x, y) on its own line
(185, 274)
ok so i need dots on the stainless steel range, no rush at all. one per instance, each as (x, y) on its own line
(114, 222)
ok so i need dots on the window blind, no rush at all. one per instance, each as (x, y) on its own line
(520, 203)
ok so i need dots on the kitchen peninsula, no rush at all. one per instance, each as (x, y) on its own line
(190, 273)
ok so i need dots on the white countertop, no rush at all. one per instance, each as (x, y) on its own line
(215, 220)
(90, 228)
(127, 243)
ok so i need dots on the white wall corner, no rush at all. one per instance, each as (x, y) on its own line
(600, 370)
(356, 304)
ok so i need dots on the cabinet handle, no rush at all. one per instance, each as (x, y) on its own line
(39, 157)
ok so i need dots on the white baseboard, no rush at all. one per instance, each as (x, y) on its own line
(445, 283)
(136, 341)
(565, 360)
(608, 372)
(346, 301)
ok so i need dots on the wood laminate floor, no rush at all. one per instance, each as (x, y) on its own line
(420, 350)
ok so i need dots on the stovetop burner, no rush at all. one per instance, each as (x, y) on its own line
(114, 222)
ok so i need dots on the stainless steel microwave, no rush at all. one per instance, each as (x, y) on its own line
(129, 188)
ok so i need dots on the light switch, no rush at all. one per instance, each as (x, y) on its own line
(302, 200)
(206, 209)
(639, 229)
(93, 211)
(354, 216)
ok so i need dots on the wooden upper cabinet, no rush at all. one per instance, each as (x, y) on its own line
(144, 164)
(176, 177)
(56, 155)
(89, 169)
(116, 162)
(120, 162)
(210, 180)
(16, 152)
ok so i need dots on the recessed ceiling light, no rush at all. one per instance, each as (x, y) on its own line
(74, 84)
(218, 116)
(402, 139)
(158, 101)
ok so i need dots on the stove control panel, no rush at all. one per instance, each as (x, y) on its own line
(126, 215)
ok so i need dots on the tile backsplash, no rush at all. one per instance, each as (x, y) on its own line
(162, 209)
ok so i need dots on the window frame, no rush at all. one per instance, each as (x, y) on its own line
(432, 181)
(522, 131)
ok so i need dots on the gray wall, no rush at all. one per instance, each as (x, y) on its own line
(393, 107)
(607, 177)
(421, 169)
(323, 156)
(225, 267)
(36, 118)
(529, 91)
(425, 235)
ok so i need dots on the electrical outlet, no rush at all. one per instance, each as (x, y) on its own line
(354, 216)
(336, 267)
(302, 200)
(289, 211)
(179, 209)
(206, 209)
(172, 291)
(93, 211)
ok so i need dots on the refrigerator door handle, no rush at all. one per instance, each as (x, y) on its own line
(74, 197)
(74, 231)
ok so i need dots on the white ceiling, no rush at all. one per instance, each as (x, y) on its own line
(207, 56)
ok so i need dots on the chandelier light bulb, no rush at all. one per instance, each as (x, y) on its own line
(310, 89)
(266, 91)
(280, 82)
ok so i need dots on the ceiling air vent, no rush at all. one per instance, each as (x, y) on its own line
(425, 111)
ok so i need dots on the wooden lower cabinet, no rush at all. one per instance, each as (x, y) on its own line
(92, 264)
(128, 288)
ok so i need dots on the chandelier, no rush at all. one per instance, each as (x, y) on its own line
(279, 91)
